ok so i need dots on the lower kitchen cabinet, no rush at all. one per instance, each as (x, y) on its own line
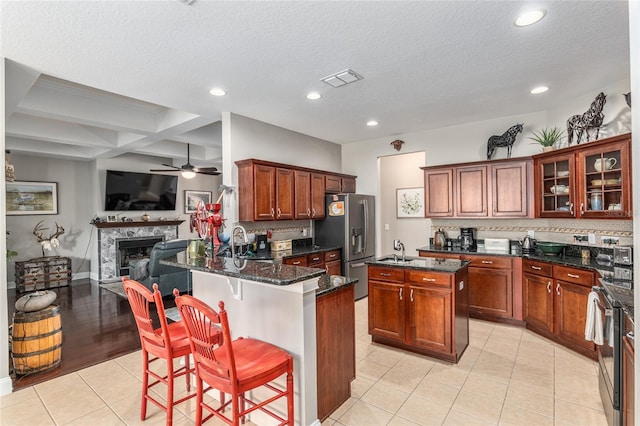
(628, 371)
(420, 311)
(490, 287)
(555, 303)
(336, 339)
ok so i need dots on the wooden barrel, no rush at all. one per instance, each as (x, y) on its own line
(36, 340)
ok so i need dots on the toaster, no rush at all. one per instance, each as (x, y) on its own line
(623, 255)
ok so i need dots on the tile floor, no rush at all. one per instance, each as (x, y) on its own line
(507, 376)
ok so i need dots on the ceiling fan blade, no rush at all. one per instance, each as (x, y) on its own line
(210, 173)
(205, 169)
(169, 165)
(164, 170)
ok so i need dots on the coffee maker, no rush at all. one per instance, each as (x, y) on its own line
(468, 239)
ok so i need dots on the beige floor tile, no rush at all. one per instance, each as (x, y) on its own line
(530, 366)
(575, 414)
(385, 356)
(420, 364)
(478, 406)
(382, 396)
(131, 362)
(68, 381)
(343, 408)
(102, 417)
(520, 397)
(533, 382)
(128, 409)
(328, 422)
(112, 382)
(71, 402)
(370, 369)
(29, 412)
(401, 421)
(437, 392)
(566, 360)
(364, 414)
(456, 418)
(499, 371)
(448, 375)
(485, 386)
(469, 357)
(27, 394)
(402, 379)
(515, 416)
(360, 385)
(423, 411)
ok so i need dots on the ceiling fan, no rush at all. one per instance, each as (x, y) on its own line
(188, 170)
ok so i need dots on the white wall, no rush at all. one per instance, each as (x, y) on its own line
(399, 171)
(5, 381)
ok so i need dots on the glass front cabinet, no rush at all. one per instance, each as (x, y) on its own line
(591, 180)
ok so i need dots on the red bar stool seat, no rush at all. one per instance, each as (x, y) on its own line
(233, 366)
(166, 343)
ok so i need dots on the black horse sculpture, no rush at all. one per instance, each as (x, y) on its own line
(506, 139)
(627, 98)
(592, 119)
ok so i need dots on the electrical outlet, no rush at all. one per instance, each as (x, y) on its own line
(531, 233)
(386, 226)
(608, 240)
(592, 238)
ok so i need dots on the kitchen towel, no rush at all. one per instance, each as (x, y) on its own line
(593, 330)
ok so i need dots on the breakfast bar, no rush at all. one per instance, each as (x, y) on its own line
(273, 302)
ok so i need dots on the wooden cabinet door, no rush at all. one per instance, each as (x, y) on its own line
(510, 189)
(348, 185)
(538, 302)
(628, 382)
(332, 184)
(284, 194)
(551, 172)
(315, 260)
(429, 318)
(302, 194)
(317, 196)
(571, 313)
(438, 197)
(387, 310)
(264, 181)
(471, 192)
(490, 292)
(334, 267)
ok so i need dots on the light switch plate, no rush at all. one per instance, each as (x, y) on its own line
(592, 238)
(386, 226)
(531, 233)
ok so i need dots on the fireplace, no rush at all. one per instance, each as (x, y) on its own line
(133, 249)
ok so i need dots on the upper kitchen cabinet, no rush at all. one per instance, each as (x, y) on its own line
(335, 184)
(488, 189)
(274, 191)
(591, 181)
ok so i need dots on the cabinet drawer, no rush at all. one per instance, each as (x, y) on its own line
(296, 261)
(431, 278)
(573, 275)
(538, 268)
(315, 259)
(490, 262)
(332, 255)
(380, 273)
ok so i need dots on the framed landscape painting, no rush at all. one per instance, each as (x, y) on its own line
(410, 202)
(31, 198)
(191, 199)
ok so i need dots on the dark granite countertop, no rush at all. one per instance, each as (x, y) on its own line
(330, 283)
(421, 263)
(622, 295)
(264, 271)
(298, 249)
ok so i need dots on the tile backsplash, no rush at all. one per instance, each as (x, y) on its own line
(558, 230)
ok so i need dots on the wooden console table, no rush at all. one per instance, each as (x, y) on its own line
(43, 272)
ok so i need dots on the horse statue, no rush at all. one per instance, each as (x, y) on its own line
(627, 98)
(581, 123)
(506, 139)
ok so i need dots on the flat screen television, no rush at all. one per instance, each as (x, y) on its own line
(140, 191)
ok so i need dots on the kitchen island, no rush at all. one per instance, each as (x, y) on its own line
(276, 303)
(420, 305)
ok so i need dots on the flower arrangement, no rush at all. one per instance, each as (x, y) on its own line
(50, 242)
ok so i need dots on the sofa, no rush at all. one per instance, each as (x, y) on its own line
(150, 271)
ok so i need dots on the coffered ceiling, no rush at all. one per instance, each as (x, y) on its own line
(97, 79)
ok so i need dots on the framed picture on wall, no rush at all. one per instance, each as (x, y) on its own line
(410, 203)
(192, 198)
(31, 198)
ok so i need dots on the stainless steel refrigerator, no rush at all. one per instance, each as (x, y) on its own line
(350, 223)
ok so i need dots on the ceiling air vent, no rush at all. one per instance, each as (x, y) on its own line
(341, 78)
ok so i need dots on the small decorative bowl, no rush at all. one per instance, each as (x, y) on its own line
(551, 249)
(224, 237)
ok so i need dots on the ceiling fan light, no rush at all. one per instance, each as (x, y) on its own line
(187, 174)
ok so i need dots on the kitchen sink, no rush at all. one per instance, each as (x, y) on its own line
(398, 260)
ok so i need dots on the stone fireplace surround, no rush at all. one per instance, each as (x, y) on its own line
(110, 233)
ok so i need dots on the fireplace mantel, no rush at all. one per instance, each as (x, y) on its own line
(137, 224)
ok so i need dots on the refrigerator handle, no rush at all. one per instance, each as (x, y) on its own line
(365, 224)
(358, 265)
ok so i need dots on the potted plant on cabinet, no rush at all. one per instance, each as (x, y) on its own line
(547, 138)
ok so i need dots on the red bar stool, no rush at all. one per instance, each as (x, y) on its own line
(233, 366)
(168, 342)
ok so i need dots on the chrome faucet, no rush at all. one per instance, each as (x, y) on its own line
(397, 245)
(233, 239)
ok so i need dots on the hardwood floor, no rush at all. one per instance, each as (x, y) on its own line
(97, 325)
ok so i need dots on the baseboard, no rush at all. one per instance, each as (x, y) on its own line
(6, 386)
(11, 284)
(80, 275)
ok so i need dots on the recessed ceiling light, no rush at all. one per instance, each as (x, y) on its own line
(372, 123)
(528, 18)
(216, 91)
(313, 95)
(538, 90)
